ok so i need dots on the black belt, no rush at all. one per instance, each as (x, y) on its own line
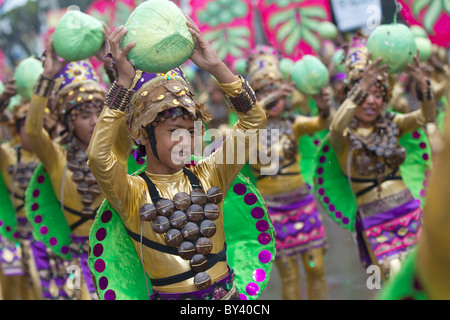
(374, 182)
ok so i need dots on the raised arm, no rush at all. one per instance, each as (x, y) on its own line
(110, 175)
(427, 113)
(227, 162)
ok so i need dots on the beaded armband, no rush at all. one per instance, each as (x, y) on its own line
(118, 97)
(44, 86)
(358, 96)
(427, 95)
(245, 101)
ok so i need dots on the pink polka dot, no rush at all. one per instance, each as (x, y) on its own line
(38, 219)
(265, 256)
(243, 296)
(259, 275)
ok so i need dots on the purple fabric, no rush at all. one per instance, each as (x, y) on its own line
(298, 229)
(41, 259)
(85, 271)
(301, 203)
(76, 71)
(382, 220)
(146, 77)
(13, 267)
(390, 214)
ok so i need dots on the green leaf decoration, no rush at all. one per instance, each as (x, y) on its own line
(446, 6)
(293, 39)
(433, 12)
(418, 5)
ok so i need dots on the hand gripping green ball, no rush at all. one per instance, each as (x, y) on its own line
(27, 74)
(163, 40)
(78, 36)
(395, 44)
(310, 75)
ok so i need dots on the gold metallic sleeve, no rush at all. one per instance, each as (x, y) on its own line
(339, 124)
(413, 120)
(434, 245)
(306, 125)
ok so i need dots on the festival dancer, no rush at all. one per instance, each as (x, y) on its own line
(424, 274)
(70, 191)
(291, 205)
(17, 163)
(158, 105)
(365, 140)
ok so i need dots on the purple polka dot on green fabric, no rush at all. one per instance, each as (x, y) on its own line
(15, 235)
(320, 181)
(416, 135)
(53, 241)
(43, 230)
(40, 179)
(423, 193)
(345, 220)
(1, 223)
(422, 145)
(257, 212)
(38, 219)
(425, 156)
(331, 207)
(326, 200)
(252, 289)
(99, 265)
(103, 283)
(240, 189)
(264, 238)
(325, 149)
(106, 216)
(321, 191)
(243, 296)
(338, 214)
(34, 206)
(259, 275)
(250, 199)
(110, 295)
(262, 225)
(322, 159)
(8, 229)
(98, 250)
(316, 142)
(64, 249)
(100, 234)
(264, 256)
(319, 170)
(36, 193)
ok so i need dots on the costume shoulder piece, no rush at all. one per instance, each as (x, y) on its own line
(405, 285)
(249, 237)
(334, 191)
(8, 221)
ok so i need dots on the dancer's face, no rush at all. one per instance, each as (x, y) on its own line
(174, 143)
(368, 112)
(276, 108)
(84, 124)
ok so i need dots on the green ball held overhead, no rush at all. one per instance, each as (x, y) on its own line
(310, 75)
(395, 44)
(327, 30)
(418, 31)
(240, 66)
(163, 40)
(286, 66)
(425, 48)
(26, 75)
(78, 36)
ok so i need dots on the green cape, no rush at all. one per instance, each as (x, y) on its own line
(334, 191)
